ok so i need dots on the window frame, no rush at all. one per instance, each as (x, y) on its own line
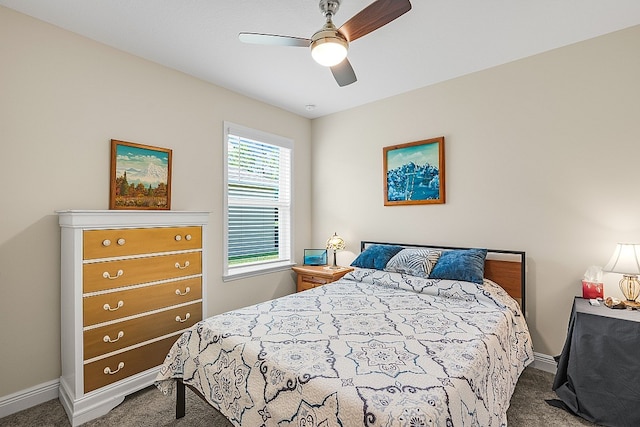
(239, 272)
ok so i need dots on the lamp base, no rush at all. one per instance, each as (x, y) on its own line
(630, 287)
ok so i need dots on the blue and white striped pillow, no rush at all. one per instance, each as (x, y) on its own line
(415, 261)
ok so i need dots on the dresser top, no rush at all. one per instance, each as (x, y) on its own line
(129, 218)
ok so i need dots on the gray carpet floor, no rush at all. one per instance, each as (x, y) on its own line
(149, 407)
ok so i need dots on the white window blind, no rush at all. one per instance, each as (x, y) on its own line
(257, 202)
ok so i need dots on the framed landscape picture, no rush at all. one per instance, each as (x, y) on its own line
(140, 176)
(414, 173)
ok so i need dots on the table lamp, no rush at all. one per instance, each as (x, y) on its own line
(626, 261)
(335, 243)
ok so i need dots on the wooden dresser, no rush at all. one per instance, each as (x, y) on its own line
(131, 283)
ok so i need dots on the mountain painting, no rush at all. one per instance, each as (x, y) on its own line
(414, 172)
(140, 176)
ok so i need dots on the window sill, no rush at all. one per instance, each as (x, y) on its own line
(244, 272)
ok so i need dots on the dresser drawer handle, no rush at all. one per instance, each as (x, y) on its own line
(186, 264)
(121, 242)
(108, 275)
(107, 338)
(178, 319)
(108, 371)
(106, 242)
(186, 291)
(107, 307)
(178, 237)
(187, 237)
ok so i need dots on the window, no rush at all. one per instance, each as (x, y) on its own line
(257, 215)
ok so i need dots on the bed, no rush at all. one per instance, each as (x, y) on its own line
(415, 336)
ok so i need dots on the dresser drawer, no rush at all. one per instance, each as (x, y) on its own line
(107, 275)
(115, 368)
(116, 305)
(106, 339)
(136, 241)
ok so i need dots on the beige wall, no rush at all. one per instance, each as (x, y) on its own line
(62, 98)
(541, 156)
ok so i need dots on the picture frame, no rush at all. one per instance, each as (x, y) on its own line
(315, 257)
(140, 176)
(413, 173)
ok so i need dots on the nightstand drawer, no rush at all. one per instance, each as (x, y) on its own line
(116, 305)
(106, 339)
(315, 280)
(303, 286)
(116, 274)
(115, 368)
(134, 241)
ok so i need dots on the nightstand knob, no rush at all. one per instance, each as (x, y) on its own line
(178, 237)
(121, 241)
(188, 237)
(106, 242)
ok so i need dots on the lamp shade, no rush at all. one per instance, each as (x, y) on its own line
(625, 259)
(335, 243)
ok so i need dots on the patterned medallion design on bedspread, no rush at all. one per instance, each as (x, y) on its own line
(227, 378)
(287, 364)
(390, 358)
(375, 348)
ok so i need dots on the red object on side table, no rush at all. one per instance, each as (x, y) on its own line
(592, 290)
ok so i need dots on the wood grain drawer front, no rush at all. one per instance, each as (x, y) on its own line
(136, 241)
(315, 280)
(115, 368)
(303, 286)
(106, 339)
(116, 305)
(107, 275)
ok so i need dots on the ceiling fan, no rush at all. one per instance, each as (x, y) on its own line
(329, 45)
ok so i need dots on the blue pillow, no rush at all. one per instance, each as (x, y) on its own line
(376, 256)
(463, 264)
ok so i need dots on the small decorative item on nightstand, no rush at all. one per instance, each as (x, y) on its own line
(335, 243)
(592, 286)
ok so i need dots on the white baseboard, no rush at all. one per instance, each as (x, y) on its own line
(27, 398)
(544, 362)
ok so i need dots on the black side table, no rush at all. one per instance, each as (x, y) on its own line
(598, 374)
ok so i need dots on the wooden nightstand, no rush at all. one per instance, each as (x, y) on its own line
(310, 276)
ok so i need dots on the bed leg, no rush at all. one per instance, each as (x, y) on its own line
(180, 399)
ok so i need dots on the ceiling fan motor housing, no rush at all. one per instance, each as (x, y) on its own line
(329, 7)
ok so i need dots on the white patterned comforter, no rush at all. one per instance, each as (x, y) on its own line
(372, 349)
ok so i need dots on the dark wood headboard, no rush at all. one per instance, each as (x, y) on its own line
(504, 267)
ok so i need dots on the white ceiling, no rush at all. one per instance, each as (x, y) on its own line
(437, 40)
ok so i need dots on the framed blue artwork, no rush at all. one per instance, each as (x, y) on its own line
(315, 257)
(414, 173)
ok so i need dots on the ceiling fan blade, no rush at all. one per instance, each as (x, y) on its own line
(343, 73)
(273, 39)
(372, 17)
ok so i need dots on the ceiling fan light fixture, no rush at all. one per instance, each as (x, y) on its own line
(328, 49)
